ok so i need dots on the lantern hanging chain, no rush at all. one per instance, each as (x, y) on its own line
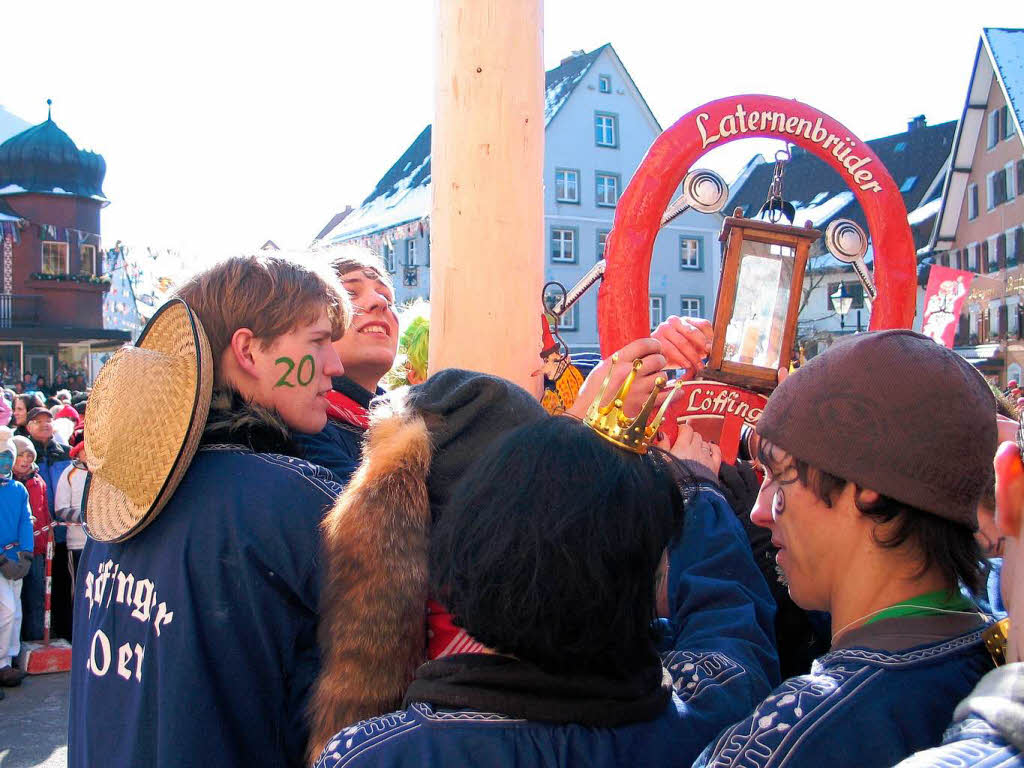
(773, 204)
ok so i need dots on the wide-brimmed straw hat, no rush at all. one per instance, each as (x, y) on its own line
(146, 414)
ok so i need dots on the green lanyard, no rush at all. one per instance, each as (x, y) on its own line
(930, 602)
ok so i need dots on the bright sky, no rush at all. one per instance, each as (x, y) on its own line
(227, 124)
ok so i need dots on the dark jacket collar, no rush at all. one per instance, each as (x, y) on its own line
(50, 452)
(508, 686)
(235, 421)
(354, 391)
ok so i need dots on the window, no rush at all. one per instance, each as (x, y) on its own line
(944, 259)
(657, 306)
(604, 83)
(563, 245)
(55, 258)
(602, 239)
(984, 262)
(1012, 190)
(691, 252)
(999, 319)
(1007, 123)
(997, 188)
(88, 255)
(607, 194)
(1018, 246)
(410, 277)
(900, 147)
(853, 287)
(569, 321)
(691, 306)
(567, 186)
(410, 253)
(993, 188)
(387, 253)
(972, 201)
(972, 257)
(993, 127)
(1020, 177)
(1012, 246)
(908, 183)
(606, 130)
(1012, 318)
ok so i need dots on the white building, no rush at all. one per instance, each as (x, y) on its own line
(597, 130)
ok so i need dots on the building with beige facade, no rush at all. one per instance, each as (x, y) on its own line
(980, 225)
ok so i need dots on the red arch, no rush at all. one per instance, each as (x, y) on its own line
(622, 304)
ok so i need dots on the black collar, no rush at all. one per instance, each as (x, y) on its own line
(354, 391)
(509, 686)
(235, 421)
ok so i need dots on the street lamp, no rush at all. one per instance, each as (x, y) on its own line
(842, 300)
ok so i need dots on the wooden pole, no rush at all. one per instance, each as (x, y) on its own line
(487, 222)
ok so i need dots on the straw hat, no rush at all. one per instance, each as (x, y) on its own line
(146, 414)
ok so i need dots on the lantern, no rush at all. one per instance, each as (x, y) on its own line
(758, 300)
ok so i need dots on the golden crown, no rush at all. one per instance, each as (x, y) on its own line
(613, 425)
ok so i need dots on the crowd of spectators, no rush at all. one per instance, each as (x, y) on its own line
(47, 427)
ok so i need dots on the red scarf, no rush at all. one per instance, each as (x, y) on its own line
(344, 409)
(443, 637)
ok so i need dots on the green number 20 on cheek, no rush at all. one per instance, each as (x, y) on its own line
(304, 372)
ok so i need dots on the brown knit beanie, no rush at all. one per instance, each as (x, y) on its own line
(894, 412)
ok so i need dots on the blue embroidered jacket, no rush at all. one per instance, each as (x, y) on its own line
(195, 640)
(987, 729)
(722, 661)
(861, 706)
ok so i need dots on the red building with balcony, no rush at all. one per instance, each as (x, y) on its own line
(51, 304)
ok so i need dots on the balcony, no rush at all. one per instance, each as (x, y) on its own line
(18, 311)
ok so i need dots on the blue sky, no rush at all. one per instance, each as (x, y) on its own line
(224, 125)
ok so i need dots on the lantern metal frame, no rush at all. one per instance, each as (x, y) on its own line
(735, 230)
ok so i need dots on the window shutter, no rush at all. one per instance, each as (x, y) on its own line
(1001, 251)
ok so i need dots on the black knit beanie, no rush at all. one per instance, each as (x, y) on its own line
(465, 412)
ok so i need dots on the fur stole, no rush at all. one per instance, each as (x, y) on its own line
(372, 612)
(235, 421)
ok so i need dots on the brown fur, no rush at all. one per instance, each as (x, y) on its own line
(372, 623)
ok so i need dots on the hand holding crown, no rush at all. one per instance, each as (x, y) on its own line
(648, 351)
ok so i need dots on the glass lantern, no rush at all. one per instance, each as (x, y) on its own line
(758, 300)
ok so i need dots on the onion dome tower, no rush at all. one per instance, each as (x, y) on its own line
(44, 160)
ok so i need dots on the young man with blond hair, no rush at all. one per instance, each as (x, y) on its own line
(195, 627)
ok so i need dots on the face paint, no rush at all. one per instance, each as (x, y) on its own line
(6, 464)
(305, 372)
(778, 503)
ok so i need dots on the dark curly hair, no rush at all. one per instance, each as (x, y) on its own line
(548, 548)
(937, 542)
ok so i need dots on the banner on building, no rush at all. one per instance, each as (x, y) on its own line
(943, 300)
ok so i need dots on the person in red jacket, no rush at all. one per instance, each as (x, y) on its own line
(32, 593)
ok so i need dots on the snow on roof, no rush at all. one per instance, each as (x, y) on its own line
(406, 203)
(403, 193)
(818, 214)
(11, 189)
(925, 212)
(1007, 46)
(5, 217)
